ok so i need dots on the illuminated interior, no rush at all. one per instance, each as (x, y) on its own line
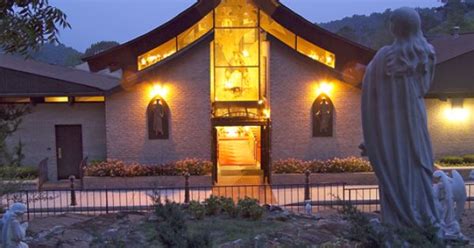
(14, 99)
(277, 30)
(317, 53)
(236, 52)
(237, 36)
(239, 146)
(177, 43)
(89, 99)
(53, 99)
(195, 32)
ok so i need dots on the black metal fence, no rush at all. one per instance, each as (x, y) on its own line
(292, 197)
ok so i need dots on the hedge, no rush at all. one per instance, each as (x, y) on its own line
(118, 168)
(335, 165)
(23, 172)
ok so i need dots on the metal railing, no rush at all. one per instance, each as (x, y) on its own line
(291, 197)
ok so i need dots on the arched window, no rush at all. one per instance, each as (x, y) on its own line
(323, 115)
(158, 119)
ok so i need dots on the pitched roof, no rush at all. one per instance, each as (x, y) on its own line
(450, 46)
(454, 76)
(25, 76)
(125, 56)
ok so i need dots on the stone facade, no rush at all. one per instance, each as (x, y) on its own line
(187, 79)
(450, 137)
(293, 79)
(37, 132)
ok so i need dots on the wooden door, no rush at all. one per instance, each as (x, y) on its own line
(68, 150)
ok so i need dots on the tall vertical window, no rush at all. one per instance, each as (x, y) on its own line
(236, 52)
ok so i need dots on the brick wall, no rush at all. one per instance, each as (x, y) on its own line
(450, 137)
(37, 132)
(292, 93)
(187, 78)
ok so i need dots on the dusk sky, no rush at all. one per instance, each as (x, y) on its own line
(122, 20)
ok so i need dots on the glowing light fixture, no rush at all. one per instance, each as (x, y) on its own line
(324, 88)
(231, 132)
(457, 112)
(245, 53)
(158, 90)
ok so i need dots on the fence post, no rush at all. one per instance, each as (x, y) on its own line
(27, 206)
(73, 191)
(106, 201)
(186, 187)
(306, 186)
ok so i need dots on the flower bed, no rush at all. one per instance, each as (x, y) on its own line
(117, 168)
(335, 165)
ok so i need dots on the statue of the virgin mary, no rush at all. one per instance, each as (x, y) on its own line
(394, 123)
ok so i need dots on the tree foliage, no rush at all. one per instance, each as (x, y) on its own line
(10, 120)
(28, 24)
(373, 30)
(100, 47)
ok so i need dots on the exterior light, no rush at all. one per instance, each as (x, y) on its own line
(261, 101)
(457, 112)
(324, 88)
(245, 53)
(158, 90)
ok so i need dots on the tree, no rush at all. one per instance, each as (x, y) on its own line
(99, 47)
(455, 10)
(10, 120)
(348, 33)
(28, 24)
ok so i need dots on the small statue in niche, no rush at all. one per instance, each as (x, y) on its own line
(324, 114)
(158, 117)
(323, 117)
(13, 231)
(450, 195)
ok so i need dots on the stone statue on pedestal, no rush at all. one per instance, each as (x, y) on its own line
(13, 231)
(450, 193)
(396, 137)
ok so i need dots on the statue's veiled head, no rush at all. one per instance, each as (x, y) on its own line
(18, 208)
(405, 23)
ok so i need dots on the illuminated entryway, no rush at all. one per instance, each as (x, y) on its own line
(238, 147)
(241, 153)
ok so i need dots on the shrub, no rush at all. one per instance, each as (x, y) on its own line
(468, 158)
(197, 210)
(229, 207)
(24, 172)
(452, 160)
(171, 224)
(340, 165)
(369, 235)
(249, 208)
(199, 240)
(212, 205)
(117, 168)
(195, 167)
(287, 166)
(335, 165)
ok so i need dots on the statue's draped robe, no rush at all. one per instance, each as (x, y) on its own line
(397, 140)
(12, 232)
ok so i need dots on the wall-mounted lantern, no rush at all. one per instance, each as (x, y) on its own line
(457, 111)
(324, 88)
(158, 90)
